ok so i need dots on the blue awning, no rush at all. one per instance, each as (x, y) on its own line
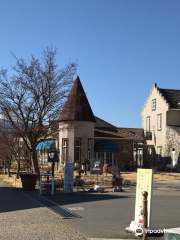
(106, 146)
(45, 145)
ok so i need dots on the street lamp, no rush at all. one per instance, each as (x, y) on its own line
(173, 156)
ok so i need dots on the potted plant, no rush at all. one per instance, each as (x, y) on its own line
(29, 181)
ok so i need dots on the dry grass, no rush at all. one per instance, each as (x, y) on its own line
(104, 180)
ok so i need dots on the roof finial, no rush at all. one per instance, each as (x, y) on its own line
(155, 85)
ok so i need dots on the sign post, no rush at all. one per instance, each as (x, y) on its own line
(144, 183)
(96, 167)
(68, 177)
(144, 191)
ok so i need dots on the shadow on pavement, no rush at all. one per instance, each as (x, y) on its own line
(13, 200)
(67, 199)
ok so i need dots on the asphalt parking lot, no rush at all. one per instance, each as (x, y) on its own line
(106, 215)
(103, 215)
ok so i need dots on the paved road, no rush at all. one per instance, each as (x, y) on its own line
(104, 215)
(107, 215)
(23, 218)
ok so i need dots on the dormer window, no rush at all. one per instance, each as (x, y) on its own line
(153, 104)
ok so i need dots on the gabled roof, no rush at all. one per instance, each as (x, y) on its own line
(110, 133)
(77, 107)
(171, 96)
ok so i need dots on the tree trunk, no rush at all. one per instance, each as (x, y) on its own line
(9, 167)
(35, 160)
(4, 166)
(18, 169)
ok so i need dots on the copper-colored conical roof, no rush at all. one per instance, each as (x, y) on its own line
(77, 107)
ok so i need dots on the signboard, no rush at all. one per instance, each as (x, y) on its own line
(144, 183)
(68, 177)
(53, 157)
(124, 149)
(96, 166)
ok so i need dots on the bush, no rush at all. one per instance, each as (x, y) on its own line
(79, 171)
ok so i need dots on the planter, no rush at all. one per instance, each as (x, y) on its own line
(29, 181)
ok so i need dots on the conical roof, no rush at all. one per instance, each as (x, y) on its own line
(77, 107)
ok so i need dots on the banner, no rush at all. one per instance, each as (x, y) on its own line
(68, 177)
(144, 183)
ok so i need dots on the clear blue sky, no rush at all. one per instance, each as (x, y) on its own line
(122, 47)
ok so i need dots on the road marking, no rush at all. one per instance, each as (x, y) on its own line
(76, 208)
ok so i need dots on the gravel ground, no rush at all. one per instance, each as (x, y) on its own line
(23, 218)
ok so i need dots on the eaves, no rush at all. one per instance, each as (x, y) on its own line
(138, 139)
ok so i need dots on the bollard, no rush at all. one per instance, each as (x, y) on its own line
(145, 234)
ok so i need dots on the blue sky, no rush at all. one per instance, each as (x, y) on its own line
(122, 47)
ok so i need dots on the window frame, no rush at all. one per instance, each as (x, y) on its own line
(153, 105)
(64, 149)
(75, 149)
(148, 124)
(89, 153)
(159, 123)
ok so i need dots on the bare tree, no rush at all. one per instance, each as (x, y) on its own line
(34, 96)
(12, 147)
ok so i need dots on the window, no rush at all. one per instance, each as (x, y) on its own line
(64, 149)
(89, 149)
(148, 124)
(159, 122)
(109, 157)
(153, 104)
(101, 155)
(159, 152)
(77, 150)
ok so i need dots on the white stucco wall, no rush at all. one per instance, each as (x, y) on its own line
(71, 131)
(158, 137)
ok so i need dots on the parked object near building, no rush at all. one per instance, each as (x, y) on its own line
(108, 168)
(29, 181)
(117, 180)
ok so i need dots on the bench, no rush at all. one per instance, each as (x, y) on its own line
(46, 183)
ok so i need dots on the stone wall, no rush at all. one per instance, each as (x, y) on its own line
(173, 141)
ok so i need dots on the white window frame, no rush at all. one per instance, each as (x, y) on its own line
(159, 122)
(64, 149)
(153, 104)
(105, 157)
(148, 124)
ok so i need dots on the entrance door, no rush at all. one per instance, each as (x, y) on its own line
(108, 157)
